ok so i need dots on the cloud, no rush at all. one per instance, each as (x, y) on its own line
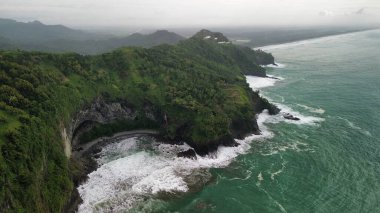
(360, 12)
(166, 13)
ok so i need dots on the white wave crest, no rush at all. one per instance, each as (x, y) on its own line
(129, 178)
(136, 169)
(313, 110)
(304, 119)
(274, 174)
(121, 183)
(129, 172)
(261, 82)
(356, 127)
(278, 65)
(260, 177)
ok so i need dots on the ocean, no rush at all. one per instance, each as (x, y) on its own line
(328, 161)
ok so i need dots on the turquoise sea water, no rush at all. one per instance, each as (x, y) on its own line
(328, 163)
(330, 167)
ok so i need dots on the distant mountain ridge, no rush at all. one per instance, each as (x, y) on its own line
(36, 36)
(5, 43)
(36, 31)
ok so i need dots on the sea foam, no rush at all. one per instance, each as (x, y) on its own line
(277, 66)
(260, 82)
(130, 173)
(313, 110)
(138, 169)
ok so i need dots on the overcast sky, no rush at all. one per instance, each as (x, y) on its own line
(174, 13)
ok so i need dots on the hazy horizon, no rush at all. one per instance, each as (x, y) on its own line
(196, 13)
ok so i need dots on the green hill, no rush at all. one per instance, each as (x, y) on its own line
(37, 32)
(106, 45)
(193, 91)
(36, 36)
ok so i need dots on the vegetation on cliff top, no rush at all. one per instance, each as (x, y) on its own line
(198, 84)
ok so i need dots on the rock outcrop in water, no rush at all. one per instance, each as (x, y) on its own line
(291, 117)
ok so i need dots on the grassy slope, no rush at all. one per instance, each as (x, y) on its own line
(198, 84)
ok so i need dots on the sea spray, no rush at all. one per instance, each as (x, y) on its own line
(148, 170)
(331, 166)
(276, 65)
(141, 169)
(261, 82)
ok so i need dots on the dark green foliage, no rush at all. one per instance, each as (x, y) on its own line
(243, 59)
(197, 85)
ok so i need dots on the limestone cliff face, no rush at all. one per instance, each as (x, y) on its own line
(99, 111)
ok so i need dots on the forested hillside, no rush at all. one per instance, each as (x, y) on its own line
(196, 87)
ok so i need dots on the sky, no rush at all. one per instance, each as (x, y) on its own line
(192, 13)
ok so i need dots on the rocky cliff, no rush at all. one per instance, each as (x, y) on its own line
(100, 112)
(194, 91)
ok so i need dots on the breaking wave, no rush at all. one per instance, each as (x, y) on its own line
(278, 65)
(138, 170)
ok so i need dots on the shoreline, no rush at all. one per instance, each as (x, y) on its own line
(76, 199)
(129, 135)
(84, 155)
(83, 158)
(297, 42)
(89, 147)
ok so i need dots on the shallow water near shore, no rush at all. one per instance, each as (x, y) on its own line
(329, 161)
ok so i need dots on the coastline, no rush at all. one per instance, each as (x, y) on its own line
(194, 169)
(88, 147)
(302, 41)
(276, 172)
(86, 153)
(220, 158)
(83, 157)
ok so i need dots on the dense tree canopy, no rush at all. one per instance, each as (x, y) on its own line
(198, 84)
